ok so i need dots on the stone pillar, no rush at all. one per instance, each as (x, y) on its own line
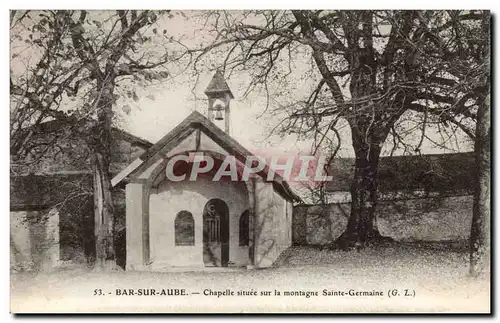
(251, 226)
(265, 233)
(137, 224)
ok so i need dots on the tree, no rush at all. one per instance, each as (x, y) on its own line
(41, 72)
(480, 236)
(471, 70)
(85, 61)
(480, 230)
(368, 69)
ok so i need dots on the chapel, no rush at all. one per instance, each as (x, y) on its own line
(203, 223)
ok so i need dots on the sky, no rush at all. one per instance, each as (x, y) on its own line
(163, 105)
(250, 124)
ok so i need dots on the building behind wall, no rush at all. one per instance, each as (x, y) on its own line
(421, 198)
(51, 201)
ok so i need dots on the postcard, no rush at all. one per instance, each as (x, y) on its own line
(252, 161)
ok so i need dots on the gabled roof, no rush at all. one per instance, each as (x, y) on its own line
(132, 139)
(196, 121)
(52, 126)
(218, 85)
(66, 147)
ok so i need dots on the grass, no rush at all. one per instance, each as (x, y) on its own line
(437, 279)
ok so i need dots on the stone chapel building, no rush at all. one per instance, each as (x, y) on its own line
(202, 223)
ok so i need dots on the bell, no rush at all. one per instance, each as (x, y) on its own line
(218, 115)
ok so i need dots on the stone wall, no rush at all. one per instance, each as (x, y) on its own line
(62, 181)
(34, 240)
(48, 238)
(420, 219)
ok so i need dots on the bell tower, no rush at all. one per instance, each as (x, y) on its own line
(219, 96)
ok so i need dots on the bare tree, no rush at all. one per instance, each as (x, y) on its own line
(74, 66)
(480, 237)
(367, 68)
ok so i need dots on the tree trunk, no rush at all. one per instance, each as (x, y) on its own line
(104, 215)
(361, 225)
(103, 203)
(480, 229)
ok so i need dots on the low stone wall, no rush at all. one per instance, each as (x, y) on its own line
(421, 219)
(34, 240)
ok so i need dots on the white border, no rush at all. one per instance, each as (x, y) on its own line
(190, 4)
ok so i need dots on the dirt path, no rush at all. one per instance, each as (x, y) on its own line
(308, 280)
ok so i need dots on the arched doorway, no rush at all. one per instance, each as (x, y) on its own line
(216, 233)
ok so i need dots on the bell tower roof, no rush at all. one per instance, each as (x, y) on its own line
(218, 85)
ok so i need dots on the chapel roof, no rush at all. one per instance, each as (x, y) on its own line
(196, 121)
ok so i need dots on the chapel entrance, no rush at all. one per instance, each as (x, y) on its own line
(216, 233)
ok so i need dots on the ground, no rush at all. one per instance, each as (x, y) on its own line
(425, 279)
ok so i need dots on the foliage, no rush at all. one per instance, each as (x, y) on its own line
(61, 59)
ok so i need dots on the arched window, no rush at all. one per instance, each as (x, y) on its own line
(244, 223)
(184, 229)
